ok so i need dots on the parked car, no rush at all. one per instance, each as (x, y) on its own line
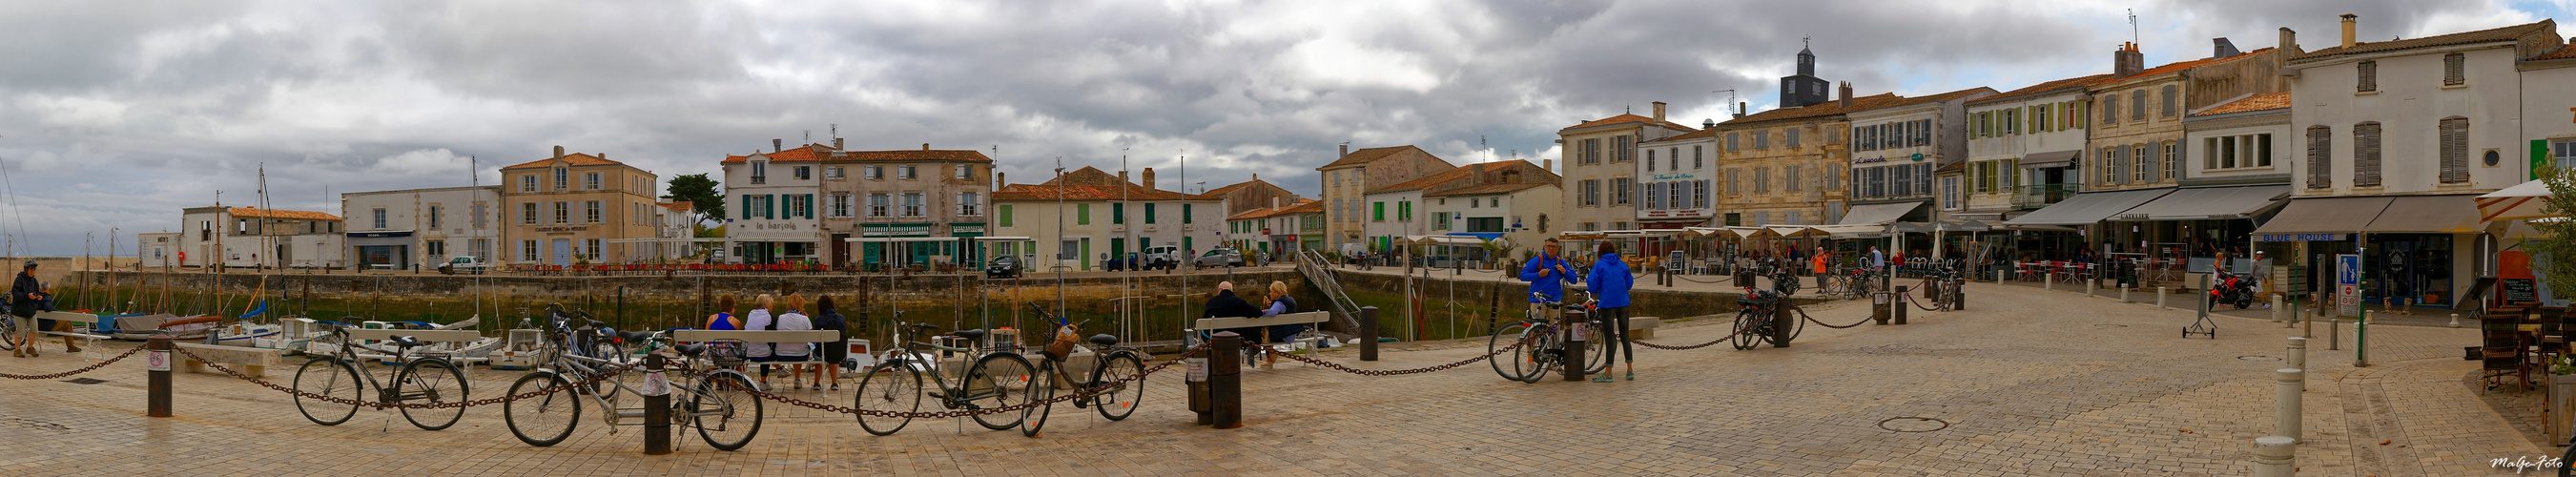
(468, 264)
(1002, 267)
(1223, 257)
(1163, 257)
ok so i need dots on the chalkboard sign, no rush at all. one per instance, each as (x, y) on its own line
(2519, 290)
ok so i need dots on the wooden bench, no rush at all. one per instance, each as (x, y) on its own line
(813, 356)
(363, 335)
(1312, 319)
(77, 320)
(247, 360)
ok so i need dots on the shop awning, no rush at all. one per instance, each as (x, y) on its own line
(2428, 214)
(2049, 159)
(1878, 214)
(1749, 232)
(2090, 207)
(1788, 230)
(2321, 215)
(2210, 203)
(2522, 201)
(1849, 231)
(1449, 240)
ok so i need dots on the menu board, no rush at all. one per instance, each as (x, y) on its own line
(2518, 290)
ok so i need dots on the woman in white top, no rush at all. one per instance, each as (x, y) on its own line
(758, 319)
(792, 318)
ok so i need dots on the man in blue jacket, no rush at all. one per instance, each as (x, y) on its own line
(1547, 275)
(1609, 283)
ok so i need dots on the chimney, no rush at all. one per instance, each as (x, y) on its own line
(603, 156)
(1708, 124)
(2221, 48)
(1002, 178)
(1122, 176)
(2127, 61)
(1659, 111)
(1149, 178)
(1847, 94)
(1739, 109)
(836, 144)
(1346, 150)
(1274, 202)
(777, 145)
(2289, 41)
(1549, 164)
(2348, 22)
(925, 146)
(558, 153)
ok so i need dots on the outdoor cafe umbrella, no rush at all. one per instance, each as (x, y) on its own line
(2523, 201)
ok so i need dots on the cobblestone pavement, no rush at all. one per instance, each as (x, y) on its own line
(2028, 382)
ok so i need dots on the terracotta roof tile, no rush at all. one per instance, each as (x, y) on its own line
(281, 214)
(576, 159)
(2255, 102)
(1230, 188)
(2052, 86)
(1368, 155)
(1827, 108)
(2564, 53)
(1090, 184)
(680, 206)
(1425, 182)
(1276, 211)
(1310, 206)
(2509, 33)
(1488, 189)
(822, 153)
(1627, 118)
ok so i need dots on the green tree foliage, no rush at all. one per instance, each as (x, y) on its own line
(701, 193)
(2554, 257)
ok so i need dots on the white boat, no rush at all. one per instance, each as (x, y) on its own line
(251, 335)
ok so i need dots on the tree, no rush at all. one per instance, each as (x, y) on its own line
(2550, 255)
(701, 193)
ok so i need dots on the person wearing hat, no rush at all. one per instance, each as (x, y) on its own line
(26, 295)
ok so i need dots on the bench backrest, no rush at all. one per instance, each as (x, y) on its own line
(1307, 318)
(426, 336)
(67, 317)
(755, 336)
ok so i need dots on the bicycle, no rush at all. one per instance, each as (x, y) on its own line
(1542, 344)
(1759, 318)
(1937, 283)
(995, 380)
(10, 336)
(1108, 370)
(428, 379)
(713, 399)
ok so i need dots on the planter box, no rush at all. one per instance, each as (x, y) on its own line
(2561, 405)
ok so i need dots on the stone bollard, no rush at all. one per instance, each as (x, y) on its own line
(1959, 296)
(2275, 456)
(1197, 381)
(2455, 320)
(2160, 298)
(2048, 281)
(1225, 380)
(1368, 333)
(2285, 406)
(657, 406)
(2334, 334)
(2298, 357)
(2124, 294)
(2277, 313)
(157, 401)
(1899, 305)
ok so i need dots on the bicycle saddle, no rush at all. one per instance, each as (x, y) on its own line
(969, 335)
(1104, 340)
(633, 336)
(406, 341)
(691, 350)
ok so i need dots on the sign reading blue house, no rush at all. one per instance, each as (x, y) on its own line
(2298, 237)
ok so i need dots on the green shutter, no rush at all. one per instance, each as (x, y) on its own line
(1117, 213)
(746, 206)
(769, 206)
(2539, 158)
(1185, 214)
(809, 206)
(1006, 215)
(1149, 213)
(1378, 210)
(1082, 214)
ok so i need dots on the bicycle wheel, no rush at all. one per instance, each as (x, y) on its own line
(9, 335)
(1748, 330)
(995, 381)
(431, 381)
(726, 413)
(1510, 367)
(331, 378)
(889, 387)
(1596, 348)
(546, 419)
(1041, 388)
(1118, 400)
(1545, 352)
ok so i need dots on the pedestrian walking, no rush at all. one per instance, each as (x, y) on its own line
(1609, 283)
(24, 297)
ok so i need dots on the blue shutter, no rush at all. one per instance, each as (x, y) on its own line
(746, 206)
(809, 206)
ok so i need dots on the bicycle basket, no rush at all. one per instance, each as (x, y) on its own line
(1063, 345)
(725, 353)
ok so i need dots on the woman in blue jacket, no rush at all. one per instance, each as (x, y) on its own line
(1609, 282)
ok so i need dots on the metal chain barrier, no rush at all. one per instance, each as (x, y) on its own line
(1721, 339)
(1802, 313)
(1909, 298)
(1399, 372)
(602, 376)
(1084, 393)
(91, 367)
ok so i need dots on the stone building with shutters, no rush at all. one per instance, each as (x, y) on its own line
(2389, 154)
(2138, 136)
(901, 193)
(575, 208)
(1352, 174)
(1601, 169)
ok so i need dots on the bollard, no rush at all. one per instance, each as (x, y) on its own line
(2334, 334)
(2276, 308)
(1225, 380)
(1572, 359)
(2048, 281)
(156, 402)
(1959, 295)
(1899, 305)
(2124, 293)
(657, 406)
(2160, 298)
(2285, 405)
(2455, 320)
(2298, 357)
(1197, 381)
(1878, 307)
(1368, 333)
(2274, 456)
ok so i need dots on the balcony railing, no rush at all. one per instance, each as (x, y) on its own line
(759, 179)
(970, 210)
(2041, 195)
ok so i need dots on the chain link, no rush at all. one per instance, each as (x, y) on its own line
(603, 375)
(1722, 339)
(1084, 393)
(1399, 372)
(1802, 313)
(91, 367)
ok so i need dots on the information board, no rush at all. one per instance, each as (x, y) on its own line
(2348, 285)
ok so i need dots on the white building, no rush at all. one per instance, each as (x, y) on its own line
(773, 205)
(252, 237)
(2394, 136)
(1270, 232)
(156, 250)
(2552, 129)
(421, 227)
(1678, 177)
(1894, 150)
(2023, 146)
(1083, 217)
(1521, 214)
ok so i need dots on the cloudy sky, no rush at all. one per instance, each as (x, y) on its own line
(116, 114)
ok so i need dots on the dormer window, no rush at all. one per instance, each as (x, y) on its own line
(759, 171)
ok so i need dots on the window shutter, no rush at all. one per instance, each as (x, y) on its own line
(746, 207)
(2365, 155)
(769, 206)
(2367, 76)
(2137, 106)
(809, 206)
(2455, 150)
(2320, 157)
(2453, 66)
(2168, 97)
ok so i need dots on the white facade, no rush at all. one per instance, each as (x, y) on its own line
(2251, 146)
(2004, 172)
(422, 227)
(1678, 180)
(2408, 105)
(1391, 216)
(2551, 131)
(155, 250)
(297, 239)
(773, 209)
(1517, 215)
(1080, 234)
(1895, 150)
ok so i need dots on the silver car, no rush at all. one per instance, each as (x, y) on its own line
(1223, 257)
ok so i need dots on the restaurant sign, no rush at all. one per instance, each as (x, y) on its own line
(2298, 237)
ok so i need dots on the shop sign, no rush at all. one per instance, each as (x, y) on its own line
(2348, 285)
(2298, 237)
